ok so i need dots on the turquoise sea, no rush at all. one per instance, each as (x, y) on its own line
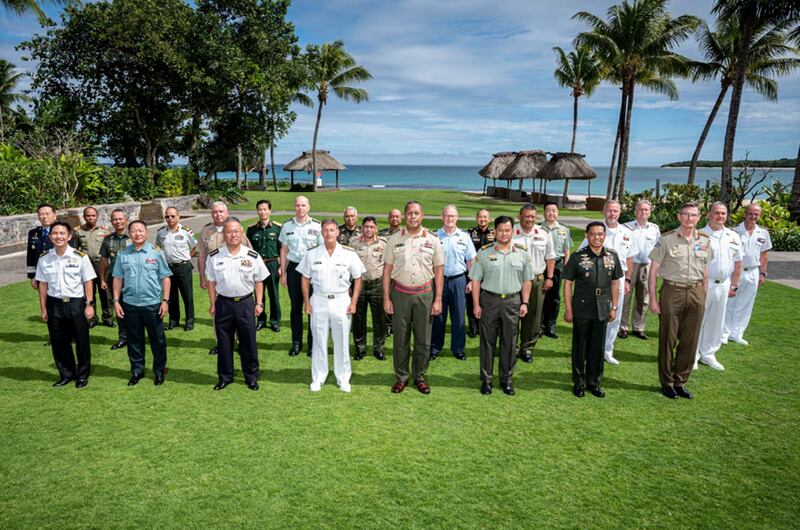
(467, 178)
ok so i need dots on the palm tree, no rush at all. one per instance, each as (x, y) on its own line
(23, 7)
(277, 127)
(581, 73)
(8, 84)
(635, 47)
(765, 59)
(332, 68)
(750, 15)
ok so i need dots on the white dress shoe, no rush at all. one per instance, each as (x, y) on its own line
(610, 358)
(345, 387)
(740, 341)
(315, 387)
(712, 362)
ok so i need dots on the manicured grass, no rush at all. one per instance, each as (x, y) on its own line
(381, 201)
(182, 455)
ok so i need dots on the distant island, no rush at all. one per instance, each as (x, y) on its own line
(782, 162)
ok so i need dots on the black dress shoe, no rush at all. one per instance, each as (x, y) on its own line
(682, 392)
(214, 350)
(596, 391)
(623, 334)
(275, 327)
(295, 351)
(221, 385)
(526, 357)
(119, 344)
(109, 323)
(639, 335)
(379, 355)
(260, 326)
(472, 334)
(434, 355)
(486, 389)
(507, 389)
(80, 383)
(252, 385)
(578, 391)
(359, 355)
(171, 325)
(62, 381)
(188, 327)
(135, 379)
(460, 356)
(92, 324)
(158, 380)
(669, 392)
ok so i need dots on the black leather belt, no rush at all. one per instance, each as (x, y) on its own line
(64, 300)
(455, 276)
(235, 298)
(502, 296)
(179, 263)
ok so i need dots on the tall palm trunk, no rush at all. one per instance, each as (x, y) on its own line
(262, 169)
(272, 160)
(574, 122)
(726, 180)
(794, 202)
(620, 123)
(624, 147)
(314, 146)
(696, 156)
(238, 166)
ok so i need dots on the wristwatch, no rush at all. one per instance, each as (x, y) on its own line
(548, 278)
(165, 300)
(525, 303)
(115, 300)
(261, 305)
(89, 302)
(614, 308)
(764, 274)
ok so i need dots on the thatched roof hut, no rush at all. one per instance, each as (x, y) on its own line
(325, 162)
(567, 166)
(496, 166)
(526, 165)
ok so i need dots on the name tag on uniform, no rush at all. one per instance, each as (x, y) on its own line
(151, 261)
(247, 263)
(317, 263)
(493, 258)
(179, 238)
(313, 232)
(73, 264)
(289, 233)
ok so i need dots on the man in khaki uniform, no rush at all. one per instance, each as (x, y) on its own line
(90, 237)
(413, 278)
(540, 247)
(501, 285)
(681, 258)
(370, 249)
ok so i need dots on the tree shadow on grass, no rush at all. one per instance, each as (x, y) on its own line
(629, 356)
(177, 375)
(16, 337)
(539, 380)
(24, 373)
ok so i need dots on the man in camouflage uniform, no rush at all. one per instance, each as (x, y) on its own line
(481, 234)
(109, 249)
(350, 228)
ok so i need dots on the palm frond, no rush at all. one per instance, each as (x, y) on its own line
(356, 95)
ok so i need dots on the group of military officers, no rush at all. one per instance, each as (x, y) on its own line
(500, 281)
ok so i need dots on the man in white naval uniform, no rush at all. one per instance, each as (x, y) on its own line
(723, 283)
(755, 245)
(330, 269)
(645, 235)
(620, 239)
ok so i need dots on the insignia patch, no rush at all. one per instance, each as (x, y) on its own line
(151, 261)
(246, 263)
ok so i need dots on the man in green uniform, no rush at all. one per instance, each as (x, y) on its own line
(264, 237)
(395, 219)
(481, 234)
(562, 244)
(501, 287)
(413, 278)
(350, 229)
(681, 258)
(370, 249)
(109, 249)
(90, 237)
(594, 272)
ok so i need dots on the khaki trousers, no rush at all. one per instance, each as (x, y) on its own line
(682, 310)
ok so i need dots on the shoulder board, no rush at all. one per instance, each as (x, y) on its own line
(521, 246)
(610, 251)
(346, 247)
(165, 228)
(626, 226)
(276, 223)
(109, 234)
(313, 220)
(214, 252)
(702, 234)
(80, 252)
(43, 253)
(487, 245)
(669, 233)
(252, 253)
(156, 247)
(208, 225)
(187, 229)
(434, 234)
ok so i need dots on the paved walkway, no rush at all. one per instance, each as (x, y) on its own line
(784, 267)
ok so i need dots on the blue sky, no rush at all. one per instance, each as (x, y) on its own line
(457, 81)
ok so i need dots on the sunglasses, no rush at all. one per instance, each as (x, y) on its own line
(170, 216)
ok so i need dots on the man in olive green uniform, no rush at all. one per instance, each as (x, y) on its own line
(264, 237)
(90, 237)
(350, 229)
(395, 219)
(501, 286)
(594, 271)
(481, 234)
(370, 249)
(413, 278)
(109, 249)
(681, 258)
(562, 244)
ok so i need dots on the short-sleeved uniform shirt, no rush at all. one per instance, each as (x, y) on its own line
(645, 238)
(111, 246)
(177, 244)
(682, 259)
(345, 234)
(562, 238)
(590, 272)
(331, 273)
(386, 232)
(727, 249)
(265, 239)
(481, 237)
(619, 239)
(502, 272)
(212, 238)
(753, 245)
(413, 257)
(91, 239)
(65, 275)
(371, 254)
(141, 272)
(300, 238)
(235, 275)
(458, 250)
(539, 245)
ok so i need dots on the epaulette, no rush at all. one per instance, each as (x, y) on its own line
(157, 247)
(434, 234)
(214, 252)
(383, 238)
(252, 253)
(43, 253)
(315, 246)
(276, 223)
(487, 245)
(668, 233)
(346, 247)
(80, 252)
(109, 234)
(702, 234)
(521, 246)
(626, 226)
(209, 224)
(610, 251)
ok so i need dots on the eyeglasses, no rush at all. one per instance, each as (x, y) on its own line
(170, 216)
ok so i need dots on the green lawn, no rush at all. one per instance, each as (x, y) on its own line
(182, 455)
(381, 201)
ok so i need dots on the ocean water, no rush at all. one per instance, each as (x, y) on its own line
(466, 178)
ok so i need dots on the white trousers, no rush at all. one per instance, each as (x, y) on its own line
(740, 307)
(613, 326)
(713, 318)
(330, 315)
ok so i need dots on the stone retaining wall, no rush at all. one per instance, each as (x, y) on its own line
(14, 228)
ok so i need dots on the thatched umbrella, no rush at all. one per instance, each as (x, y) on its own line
(526, 165)
(496, 166)
(567, 166)
(325, 162)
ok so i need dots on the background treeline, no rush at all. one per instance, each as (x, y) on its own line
(779, 163)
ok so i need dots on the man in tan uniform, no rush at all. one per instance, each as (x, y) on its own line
(370, 249)
(90, 237)
(681, 258)
(413, 277)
